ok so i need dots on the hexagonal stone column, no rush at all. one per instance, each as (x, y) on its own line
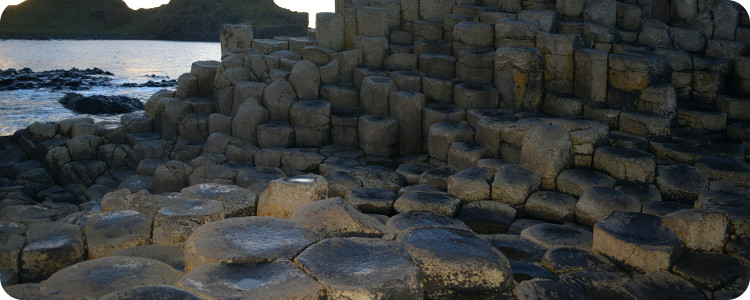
(237, 201)
(482, 269)
(597, 203)
(49, 248)
(442, 135)
(637, 240)
(626, 164)
(553, 235)
(98, 277)
(337, 218)
(284, 195)
(107, 232)
(272, 280)
(339, 265)
(378, 135)
(246, 240)
(179, 217)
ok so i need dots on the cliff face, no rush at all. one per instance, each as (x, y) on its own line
(197, 20)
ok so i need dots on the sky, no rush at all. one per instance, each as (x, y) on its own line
(311, 6)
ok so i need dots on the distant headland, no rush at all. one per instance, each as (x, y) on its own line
(189, 20)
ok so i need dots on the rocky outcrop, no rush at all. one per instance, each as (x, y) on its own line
(99, 104)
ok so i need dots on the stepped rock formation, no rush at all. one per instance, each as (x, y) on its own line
(463, 148)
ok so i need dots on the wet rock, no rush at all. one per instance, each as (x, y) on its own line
(385, 272)
(72, 79)
(710, 271)
(98, 277)
(553, 235)
(107, 232)
(487, 216)
(99, 104)
(638, 241)
(372, 200)
(569, 259)
(484, 271)
(246, 240)
(280, 279)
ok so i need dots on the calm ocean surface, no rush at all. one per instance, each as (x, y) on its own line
(130, 61)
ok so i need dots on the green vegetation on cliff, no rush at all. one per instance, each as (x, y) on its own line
(197, 20)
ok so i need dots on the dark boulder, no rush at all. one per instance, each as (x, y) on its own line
(99, 104)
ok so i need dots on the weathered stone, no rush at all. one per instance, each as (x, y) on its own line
(597, 203)
(550, 206)
(372, 200)
(49, 248)
(662, 284)
(437, 177)
(336, 218)
(485, 270)
(278, 97)
(553, 235)
(171, 255)
(98, 277)
(275, 134)
(576, 181)
(700, 229)
(107, 232)
(330, 28)
(210, 173)
(179, 217)
(487, 217)
(518, 78)
(517, 248)
(246, 240)
(546, 151)
(627, 164)
(513, 184)
(571, 259)
(27, 214)
(340, 277)
(709, 271)
(284, 195)
(237, 201)
(433, 202)
(637, 240)
(140, 292)
(312, 122)
(681, 183)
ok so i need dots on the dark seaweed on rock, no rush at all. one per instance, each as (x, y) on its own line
(99, 104)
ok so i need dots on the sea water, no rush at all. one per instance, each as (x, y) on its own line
(131, 61)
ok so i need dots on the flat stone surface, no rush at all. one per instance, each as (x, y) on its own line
(710, 271)
(481, 270)
(171, 255)
(179, 217)
(284, 195)
(50, 247)
(433, 202)
(165, 292)
(516, 247)
(598, 284)
(246, 240)
(363, 268)
(101, 276)
(487, 216)
(598, 202)
(576, 181)
(637, 240)
(410, 220)
(237, 201)
(662, 285)
(335, 217)
(372, 200)
(551, 206)
(553, 235)
(280, 279)
(107, 232)
(546, 289)
(569, 259)
(681, 183)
